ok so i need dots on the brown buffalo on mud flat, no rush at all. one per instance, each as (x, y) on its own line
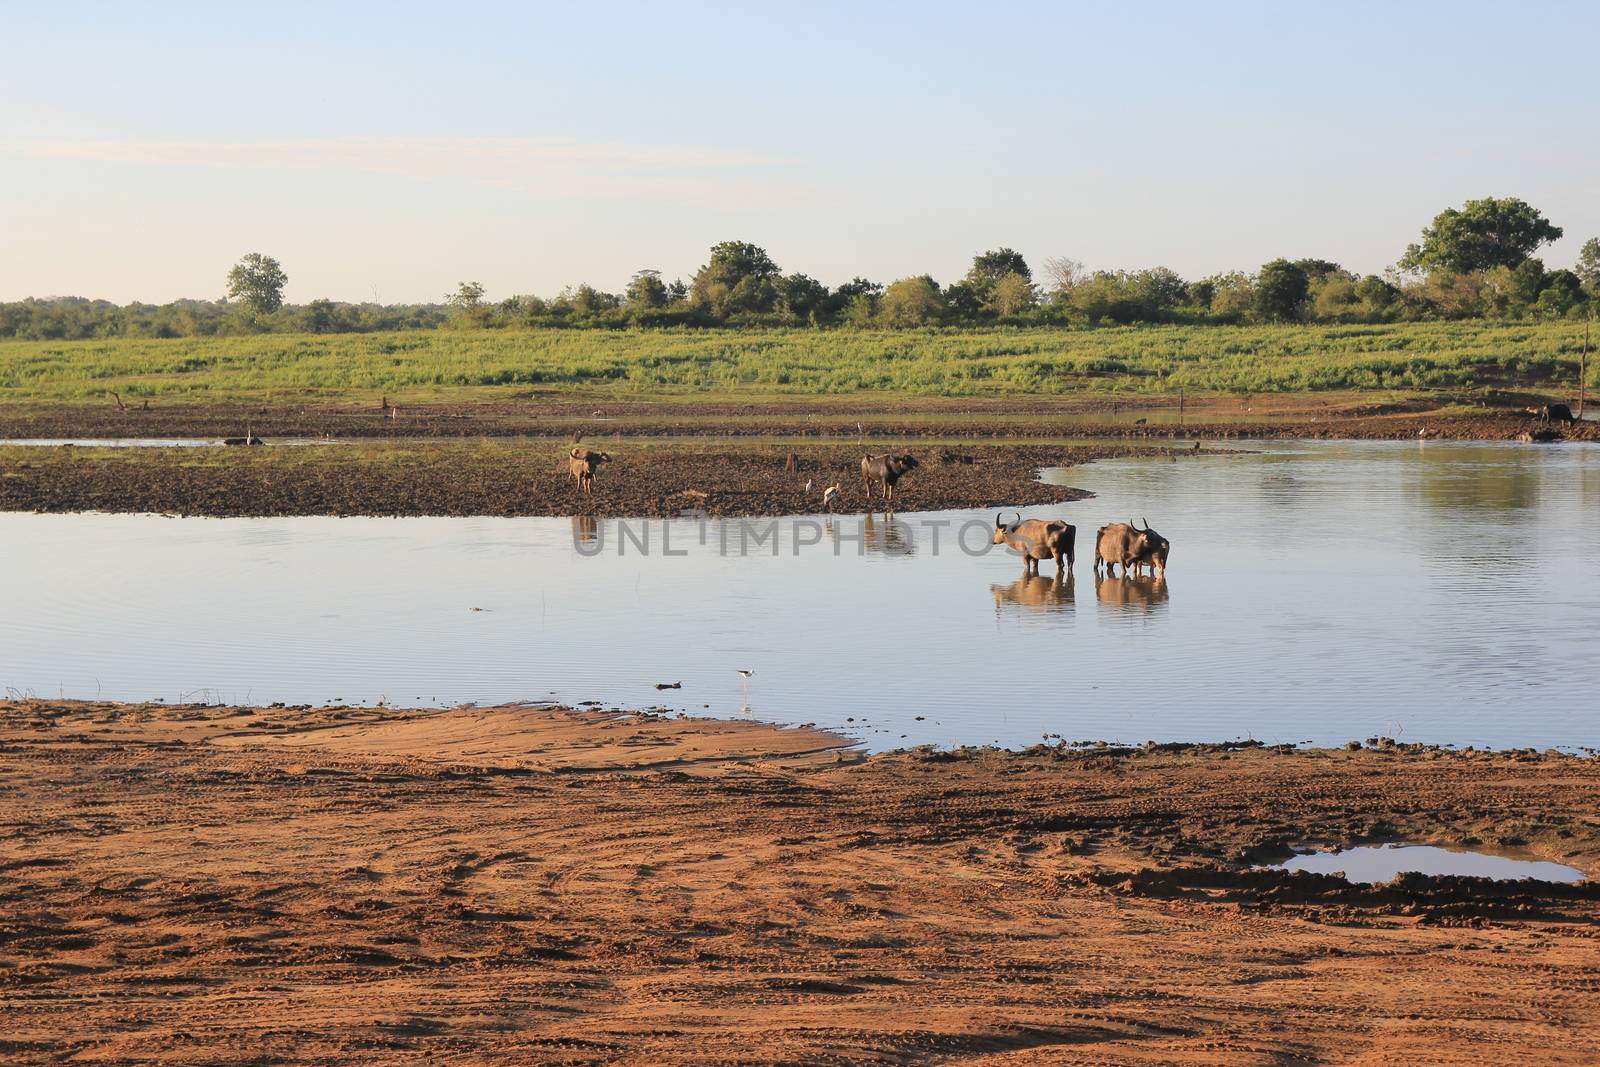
(885, 470)
(1038, 539)
(1126, 544)
(582, 463)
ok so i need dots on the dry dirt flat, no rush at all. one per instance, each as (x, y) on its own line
(518, 885)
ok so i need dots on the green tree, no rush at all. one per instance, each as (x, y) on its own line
(862, 310)
(321, 316)
(1589, 265)
(856, 301)
(738, 276)
(989, 267)
(963, 301)
(1110, 294)
(1483, 234)
(646, 290)
(1527, 281)
(1318, 269)
(1376, 293)
(467, 297)
(1161, 288)
(1280, 289)
(802, 298)
(1010, 295)
(857, 286)
(911, 302)
(1334, 298)
(257, 281)
(974, 293)
(1232, 294)
(1561, 292)
(586, 300)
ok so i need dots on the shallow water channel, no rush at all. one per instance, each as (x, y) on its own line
(1317, 591)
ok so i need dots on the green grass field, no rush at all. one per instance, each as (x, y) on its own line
(998, 362)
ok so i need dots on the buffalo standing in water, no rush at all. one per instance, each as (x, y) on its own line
(1126, 544)
(1038, 539)
(885, 470)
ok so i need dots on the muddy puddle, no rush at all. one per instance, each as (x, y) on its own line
(1371, 864)
(1317, 592)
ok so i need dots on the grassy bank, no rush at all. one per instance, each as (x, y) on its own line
(1000, 362)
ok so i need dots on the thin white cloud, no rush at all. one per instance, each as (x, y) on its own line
(550, 166)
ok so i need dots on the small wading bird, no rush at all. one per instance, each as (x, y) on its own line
(808, 487)
(829, 495)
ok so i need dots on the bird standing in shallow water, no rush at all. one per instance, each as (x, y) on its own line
(808, 487)
(829, 495)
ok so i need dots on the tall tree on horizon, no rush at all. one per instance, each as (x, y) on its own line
(1482, 235)
(257, 281)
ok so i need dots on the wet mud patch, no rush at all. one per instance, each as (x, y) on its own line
(1442, 899)
(531, 478)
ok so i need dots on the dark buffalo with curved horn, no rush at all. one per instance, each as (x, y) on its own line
(885, 470)
(1038, 539)
(1126, 544)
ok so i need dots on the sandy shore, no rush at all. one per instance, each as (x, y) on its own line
(202, 885)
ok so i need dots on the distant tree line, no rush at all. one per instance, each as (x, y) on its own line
(1477, 261)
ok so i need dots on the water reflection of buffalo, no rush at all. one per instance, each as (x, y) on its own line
(1035, 592)
(891, 536)
(1140, 592)
(585, 529)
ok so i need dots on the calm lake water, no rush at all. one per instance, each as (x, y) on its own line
(1316, 592)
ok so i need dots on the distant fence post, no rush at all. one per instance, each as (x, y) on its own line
(1583, 364)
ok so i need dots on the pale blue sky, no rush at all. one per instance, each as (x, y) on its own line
(393, 150)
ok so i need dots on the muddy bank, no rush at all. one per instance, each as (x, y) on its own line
(201, 884)
(558, 417)
(523, 478)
